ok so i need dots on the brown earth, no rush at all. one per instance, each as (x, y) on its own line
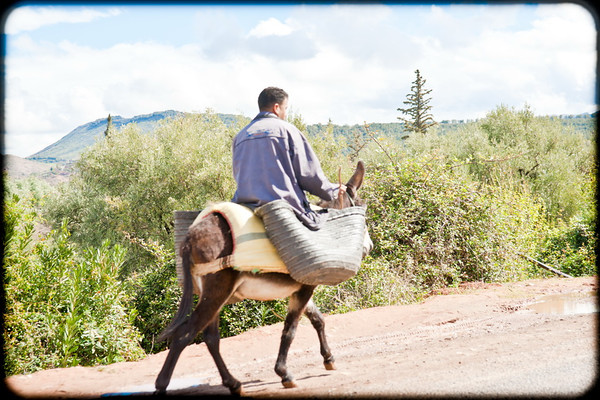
(477, 340)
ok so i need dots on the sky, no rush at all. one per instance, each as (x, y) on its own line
(66, 65)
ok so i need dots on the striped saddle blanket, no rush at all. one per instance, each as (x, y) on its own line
(252, 249)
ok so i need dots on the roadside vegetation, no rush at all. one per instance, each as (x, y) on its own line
(89, 270)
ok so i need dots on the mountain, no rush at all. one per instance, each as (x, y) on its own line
(70, 146)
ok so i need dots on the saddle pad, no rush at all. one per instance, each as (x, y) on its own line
(252, 249)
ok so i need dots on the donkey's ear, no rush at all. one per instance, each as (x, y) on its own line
(356, 180)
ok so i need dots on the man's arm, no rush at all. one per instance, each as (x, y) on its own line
(308, 168)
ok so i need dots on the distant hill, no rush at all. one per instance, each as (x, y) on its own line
(70, 146)
(21, 168)
(18, 167)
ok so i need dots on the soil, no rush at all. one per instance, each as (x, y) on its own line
(536, 337)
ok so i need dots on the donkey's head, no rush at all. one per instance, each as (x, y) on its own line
(349, 196)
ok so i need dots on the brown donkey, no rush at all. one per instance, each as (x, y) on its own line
(211, 239)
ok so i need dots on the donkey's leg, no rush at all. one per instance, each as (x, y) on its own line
(182, 336)
(217, 290)
(212, 338)
(317, 321)
(296, 307)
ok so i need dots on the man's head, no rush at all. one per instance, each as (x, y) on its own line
(274, 100)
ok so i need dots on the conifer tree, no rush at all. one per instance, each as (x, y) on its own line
(418, 111)
(109, 127)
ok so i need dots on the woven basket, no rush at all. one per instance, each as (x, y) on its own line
(328, 256)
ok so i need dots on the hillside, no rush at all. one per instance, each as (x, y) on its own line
(21, 168)
(71, 145)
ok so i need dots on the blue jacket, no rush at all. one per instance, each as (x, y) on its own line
(273, 160)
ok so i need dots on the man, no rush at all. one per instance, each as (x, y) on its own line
(273, 160)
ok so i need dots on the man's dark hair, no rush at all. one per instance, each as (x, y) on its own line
(270, 96)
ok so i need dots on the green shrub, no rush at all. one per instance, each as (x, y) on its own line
(155, 295)
(435, 228)
(130, 183)
(375, 284)
(245, 315)
(63, 308)
(571, 248)
(515, 149)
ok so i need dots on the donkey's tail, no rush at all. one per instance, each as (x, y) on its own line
(187, 299)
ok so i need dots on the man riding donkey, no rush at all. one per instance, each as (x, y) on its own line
(227, 255)
(273, 160)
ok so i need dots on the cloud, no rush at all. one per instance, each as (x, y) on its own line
(548, 61)
(78, 84)
(348, 63)
(279, 41)
(294, 46)
(222, 38)
(365, 33)
(24, 19)
(270, 27)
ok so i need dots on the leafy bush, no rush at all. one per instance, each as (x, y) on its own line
(435, 228)
(571, 248)
(155, 297)
(515, 149)
(240, 317)
(128, 185)
(155, 294)
(375, 284)
(331, 151)
(63, 308)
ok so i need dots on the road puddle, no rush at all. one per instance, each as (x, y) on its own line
(567, 303)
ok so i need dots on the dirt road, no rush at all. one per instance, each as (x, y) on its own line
(480, 339)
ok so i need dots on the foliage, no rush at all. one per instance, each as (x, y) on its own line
(63, 308)
(240, 317)
(155, 294)
(155, 297)
(513, 148)
(374, 285)
(436, 229)
(331, 151)
(128, 185)
(572, 247)
(418, 109)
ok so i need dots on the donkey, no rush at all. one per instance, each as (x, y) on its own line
(211, 239)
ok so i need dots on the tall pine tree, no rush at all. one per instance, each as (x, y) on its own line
(418, 111)
(109, 127)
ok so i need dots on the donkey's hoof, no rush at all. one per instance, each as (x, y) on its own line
(237, 392)
(329, 365)
(288, 384)
(236, 389)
